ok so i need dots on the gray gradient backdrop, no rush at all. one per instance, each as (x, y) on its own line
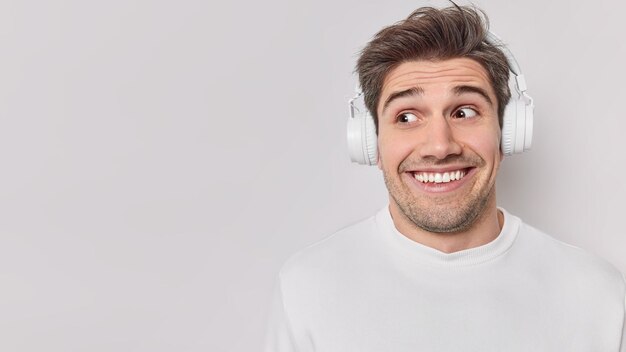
(161, 159)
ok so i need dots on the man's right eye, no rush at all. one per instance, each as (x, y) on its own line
(406, 117)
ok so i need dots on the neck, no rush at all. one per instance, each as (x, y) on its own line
(484, 230)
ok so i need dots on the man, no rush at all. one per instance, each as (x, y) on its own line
(442, 268)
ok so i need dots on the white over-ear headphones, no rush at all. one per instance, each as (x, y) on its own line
(517, 123)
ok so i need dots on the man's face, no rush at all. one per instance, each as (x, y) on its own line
(439, 142)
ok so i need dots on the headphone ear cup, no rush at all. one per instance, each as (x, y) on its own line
(517, 127)
(362, 139)
(529, 119)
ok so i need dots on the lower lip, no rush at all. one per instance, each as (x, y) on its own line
(443, 187)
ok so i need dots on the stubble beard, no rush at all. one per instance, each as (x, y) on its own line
(456, 215)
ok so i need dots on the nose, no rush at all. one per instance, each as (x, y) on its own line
(438, 140)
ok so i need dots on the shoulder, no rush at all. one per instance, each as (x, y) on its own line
(568, 262)
(333, 251)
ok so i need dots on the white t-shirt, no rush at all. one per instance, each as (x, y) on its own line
(369, 288)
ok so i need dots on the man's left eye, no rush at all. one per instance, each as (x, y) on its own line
(464, 113)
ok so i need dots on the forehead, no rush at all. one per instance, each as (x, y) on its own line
(436, 76)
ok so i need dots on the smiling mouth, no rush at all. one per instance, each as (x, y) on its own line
(440, 177)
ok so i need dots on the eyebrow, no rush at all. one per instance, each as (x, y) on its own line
(460, 90)
(416, 91)
(401, 94)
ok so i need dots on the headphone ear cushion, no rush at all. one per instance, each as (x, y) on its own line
(509, 122)
(362, 139)
(371, 140)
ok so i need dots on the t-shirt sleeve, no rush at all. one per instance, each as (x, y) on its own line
(279, 336)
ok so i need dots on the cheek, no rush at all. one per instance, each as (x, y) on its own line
(393, 149)
(486, 145)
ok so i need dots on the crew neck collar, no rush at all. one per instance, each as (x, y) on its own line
(427, 255)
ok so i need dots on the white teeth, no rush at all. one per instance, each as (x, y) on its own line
(437, 177)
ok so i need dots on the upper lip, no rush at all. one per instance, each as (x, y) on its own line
(441, 169)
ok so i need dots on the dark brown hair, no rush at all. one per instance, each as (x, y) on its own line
(432, 34)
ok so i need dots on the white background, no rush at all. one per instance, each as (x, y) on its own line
(161, 159)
